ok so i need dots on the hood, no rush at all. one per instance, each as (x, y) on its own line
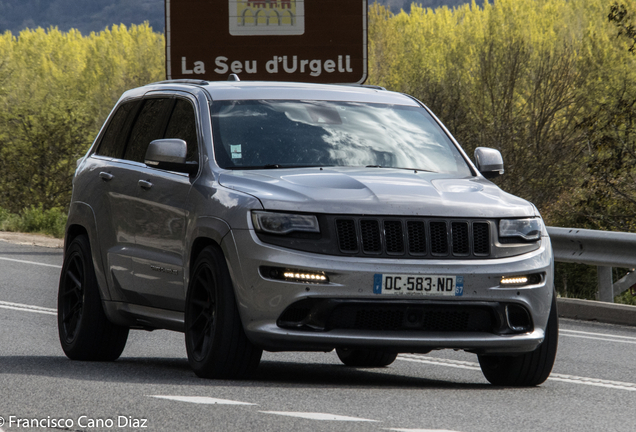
(374, 191)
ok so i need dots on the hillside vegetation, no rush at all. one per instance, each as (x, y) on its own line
(550, 83)
(95, 15)
(83, 15)
(56, 90)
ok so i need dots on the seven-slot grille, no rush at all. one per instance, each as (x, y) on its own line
(367, 236)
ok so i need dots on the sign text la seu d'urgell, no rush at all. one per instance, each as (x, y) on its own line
(278, 65)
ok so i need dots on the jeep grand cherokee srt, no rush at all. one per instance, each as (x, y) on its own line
(297, 217)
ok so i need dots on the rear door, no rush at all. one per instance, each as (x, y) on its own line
(110, 192)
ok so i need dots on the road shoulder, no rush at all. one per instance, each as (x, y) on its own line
(31, 239)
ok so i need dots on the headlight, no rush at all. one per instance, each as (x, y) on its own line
(284, 223)
(527, 229)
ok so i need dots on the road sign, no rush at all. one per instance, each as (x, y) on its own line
(321, 41)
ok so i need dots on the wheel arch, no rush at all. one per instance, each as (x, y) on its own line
(211, 231)
(81, 221)
(208, 231)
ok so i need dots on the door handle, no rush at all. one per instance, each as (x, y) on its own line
(145, 184)
(106, 176)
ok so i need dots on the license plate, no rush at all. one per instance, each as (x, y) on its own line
(424, 285)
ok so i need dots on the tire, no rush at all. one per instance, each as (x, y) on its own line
(529, 369)
(85, 332)
(215, 340)
(365, 357)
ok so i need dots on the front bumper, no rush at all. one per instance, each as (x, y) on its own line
(262, 300)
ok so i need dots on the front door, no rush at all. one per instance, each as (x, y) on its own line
(161, 215)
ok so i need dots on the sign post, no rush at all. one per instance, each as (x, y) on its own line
(322, 41)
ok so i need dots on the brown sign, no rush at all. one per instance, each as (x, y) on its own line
(323, 41)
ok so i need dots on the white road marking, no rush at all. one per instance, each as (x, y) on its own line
(420, 430)
(601, 336)
(561, 331)
(593, 382)
(27, 308)
(201, 400)
(30, 262)
(618, 385)
(600, 339)
(440, 362)
(318, 416)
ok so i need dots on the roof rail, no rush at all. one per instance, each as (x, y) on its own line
(369, 86)
(183, 81)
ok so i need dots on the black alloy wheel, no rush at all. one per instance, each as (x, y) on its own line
(529, 369)
(202, 309)
(84, 330)
(72, 295)
(216, 343)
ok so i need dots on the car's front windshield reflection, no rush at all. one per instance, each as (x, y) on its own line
(281, 134)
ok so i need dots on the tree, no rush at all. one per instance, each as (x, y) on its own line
(620, 16)
(56, 92)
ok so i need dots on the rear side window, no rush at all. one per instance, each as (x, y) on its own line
(114, 140)
(150, 125)
(183, 125)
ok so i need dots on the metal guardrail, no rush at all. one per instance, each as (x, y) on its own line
(604, 249)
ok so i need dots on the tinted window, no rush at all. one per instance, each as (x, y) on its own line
(149, 126)
(183, 125)
(273, 134)
(114, 140)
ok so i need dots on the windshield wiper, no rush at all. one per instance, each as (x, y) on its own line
(400, 168)
(275, 166)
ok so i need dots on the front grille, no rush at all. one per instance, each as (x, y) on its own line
(370, 231)
(347, 238)
(417, 237)
(394, 237)
(433, 237)
(481, 239)
(460, 238)
(439, 238)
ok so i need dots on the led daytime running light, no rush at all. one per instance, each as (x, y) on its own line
(305, 276)
(518, 280)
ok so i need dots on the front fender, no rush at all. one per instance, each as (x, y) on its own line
(82, 216)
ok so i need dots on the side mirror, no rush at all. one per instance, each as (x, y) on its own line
(170, 154)
(489, 162)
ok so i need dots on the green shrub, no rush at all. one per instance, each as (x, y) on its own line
(34, 220)
(8, 221)
(575, 280)
(625, 298)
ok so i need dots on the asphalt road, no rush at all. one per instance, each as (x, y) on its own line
(151, 388)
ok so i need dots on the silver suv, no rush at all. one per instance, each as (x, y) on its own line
(294, 217)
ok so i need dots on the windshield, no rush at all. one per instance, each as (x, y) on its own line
(284, 134)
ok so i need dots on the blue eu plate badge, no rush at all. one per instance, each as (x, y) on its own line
(459, 286)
